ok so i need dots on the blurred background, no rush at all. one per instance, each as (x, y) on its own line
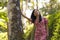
(48, 8)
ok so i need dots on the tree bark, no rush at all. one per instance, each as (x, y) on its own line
(15, 29)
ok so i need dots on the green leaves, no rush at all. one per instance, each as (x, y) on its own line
(54, 26)
(3, 16)
(3, 36)
(3, 21)
(3, 3)
(3, 25)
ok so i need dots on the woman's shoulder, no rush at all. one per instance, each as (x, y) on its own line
(45, 20)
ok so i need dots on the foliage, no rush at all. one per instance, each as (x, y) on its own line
(3, 15)
(54, 26)
(3, 25)
(3, 21)
(3, 36)
(27, 31)
(53, 10)
(3, 3)
(53, 19)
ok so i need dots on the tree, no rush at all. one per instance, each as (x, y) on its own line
(15, 31)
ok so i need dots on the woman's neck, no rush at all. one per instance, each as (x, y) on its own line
(37, 18)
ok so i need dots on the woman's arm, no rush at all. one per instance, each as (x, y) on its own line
(46, 25)
(47, 29)
(26, 17)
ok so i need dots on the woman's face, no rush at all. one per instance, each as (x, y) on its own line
(36, 12)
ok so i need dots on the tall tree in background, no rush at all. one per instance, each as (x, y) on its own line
(15, 31)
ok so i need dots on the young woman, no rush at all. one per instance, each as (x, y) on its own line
(41, 31)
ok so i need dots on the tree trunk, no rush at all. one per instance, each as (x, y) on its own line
(15, 30)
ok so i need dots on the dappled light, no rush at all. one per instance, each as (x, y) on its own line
(49, 9)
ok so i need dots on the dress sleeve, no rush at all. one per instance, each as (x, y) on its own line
(45, 21)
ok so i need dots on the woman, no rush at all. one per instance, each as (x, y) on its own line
(41, 31)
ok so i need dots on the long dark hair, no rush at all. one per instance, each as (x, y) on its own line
(34, 17)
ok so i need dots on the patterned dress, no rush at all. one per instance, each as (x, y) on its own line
(40, 31)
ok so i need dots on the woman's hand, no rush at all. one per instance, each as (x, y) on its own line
(26, 17)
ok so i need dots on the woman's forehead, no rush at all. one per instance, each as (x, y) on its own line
(36, 10)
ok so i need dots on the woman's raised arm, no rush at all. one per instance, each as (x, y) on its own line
(26, 17)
